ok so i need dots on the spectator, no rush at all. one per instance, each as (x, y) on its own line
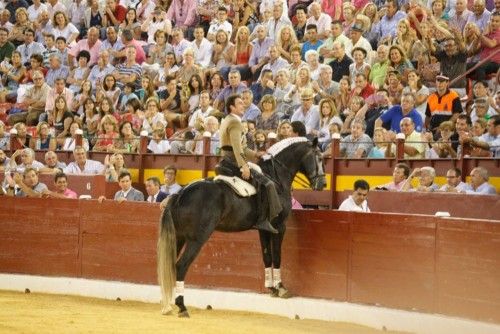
(92, 44)
(4, 137)
(336, 35)
(82, 165)
(115, 13)
(220, 23)
(171, 186)
(425, 176)
(158, 144)
(62, 190)
(307, 113)
(387, 27)
(399, 178)
(321, 20)
(479, 185)
(268, 119)
(6, 47)
(27, 160)
(252, 112)
(357, 202)
(27, 185)
(127, 192)
(278, 21)
(396, 113)
(454, 184)
(443, 105)
(29, 47)
(155, 195)
(182, 14)
(52, 163)
(312, 42)
(4, 161)
(358, 144)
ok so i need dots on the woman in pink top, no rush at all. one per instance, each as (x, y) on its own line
(488, 44)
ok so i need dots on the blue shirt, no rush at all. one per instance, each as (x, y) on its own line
(308, 46)
(251, 113)
(388, 26)
(395, 115)
(260, 50)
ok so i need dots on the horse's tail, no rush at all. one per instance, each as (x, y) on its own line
(167, 256)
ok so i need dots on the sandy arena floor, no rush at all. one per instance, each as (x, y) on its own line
(41, 313)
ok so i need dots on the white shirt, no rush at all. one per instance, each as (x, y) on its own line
(159, 148)
(323, 23)
(216, 26)
(34, 12)
(203, 53)
(91, 167)
(349, 205)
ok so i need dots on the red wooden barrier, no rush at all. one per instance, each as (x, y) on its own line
(425, 263)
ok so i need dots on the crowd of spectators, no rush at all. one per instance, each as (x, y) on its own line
(365, 70)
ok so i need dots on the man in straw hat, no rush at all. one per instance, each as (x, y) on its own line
(307, 113)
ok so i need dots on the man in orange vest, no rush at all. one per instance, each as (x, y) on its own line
(443, 105)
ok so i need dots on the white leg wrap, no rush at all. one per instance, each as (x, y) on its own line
(276, 277)
(179, 288)
(268, 274)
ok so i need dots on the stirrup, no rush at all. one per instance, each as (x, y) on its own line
(265, 225)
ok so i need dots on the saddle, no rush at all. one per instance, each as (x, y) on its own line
(240, 186)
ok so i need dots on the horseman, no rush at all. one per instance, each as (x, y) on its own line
(235, 163)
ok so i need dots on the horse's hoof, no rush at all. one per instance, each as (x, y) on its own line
(167, 310)
(284, 293)
(184, 314)
(274, 292)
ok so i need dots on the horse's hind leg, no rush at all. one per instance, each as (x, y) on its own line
(190, 252)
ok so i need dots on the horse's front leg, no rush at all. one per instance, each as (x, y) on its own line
(278, 289)
(265, 244)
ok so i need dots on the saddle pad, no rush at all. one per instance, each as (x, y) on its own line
(240, 187)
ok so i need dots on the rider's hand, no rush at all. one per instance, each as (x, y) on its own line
(245, 172)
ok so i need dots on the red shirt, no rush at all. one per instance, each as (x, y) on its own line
(488, 51)
(119, 13)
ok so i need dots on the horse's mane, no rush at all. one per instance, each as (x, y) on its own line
(281, 145)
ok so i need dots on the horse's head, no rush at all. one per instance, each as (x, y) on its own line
(312, 166)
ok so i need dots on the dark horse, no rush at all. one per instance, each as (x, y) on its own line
(191, 216)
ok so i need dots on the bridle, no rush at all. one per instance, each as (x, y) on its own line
(297, 178)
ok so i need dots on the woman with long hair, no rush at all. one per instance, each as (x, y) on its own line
(382, 146)
(405, 36)
(355, 104)
(90, 119)
(245, 14)
(64, 28)
(240, 55)
(115, 165)
(286, 39)
(147, 89)
(130, 19)
(62, 117)
(11, 78)
(419, 91)
(83, 95)
(344, 95)
(398, 60)
(106, 108)
(108, 134)
(328, 116)
(221, 53)
(302, 82)
(111, 90)
(195, 86)
(215, 85)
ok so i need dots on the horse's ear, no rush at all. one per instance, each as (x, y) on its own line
(315, 142)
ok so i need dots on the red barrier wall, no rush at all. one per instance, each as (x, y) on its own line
(411, 262)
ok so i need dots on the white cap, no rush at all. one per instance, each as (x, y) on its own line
(79, 132)
(400, 136)
(335, 135)
(272, 135)
(207, 134)
(442, 214)
(144, 133)
(13, 131)
(85, 197)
